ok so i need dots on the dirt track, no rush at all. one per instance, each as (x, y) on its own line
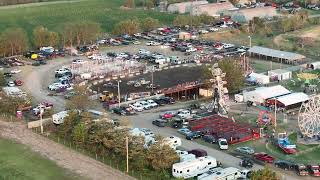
(63, 156)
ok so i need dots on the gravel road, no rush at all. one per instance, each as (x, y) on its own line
(63, 156)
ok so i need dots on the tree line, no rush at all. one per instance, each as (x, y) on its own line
(106, 140)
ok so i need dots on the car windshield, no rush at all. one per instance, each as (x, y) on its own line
(223, 143)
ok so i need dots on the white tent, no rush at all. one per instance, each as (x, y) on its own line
(259, 95)
(260, 78)
(315, 65)
(280, 74)
(293, 98)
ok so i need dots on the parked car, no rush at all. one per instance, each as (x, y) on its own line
(78, 61)
(198, 152)
(209, 139)
(15, 71)
(245, 150)
(183, 114)
(70, 94)
(168, 114)
(18, 82)
(152, 103)
(301, 170)
(314, 170)
(159, 122)
(223, 144)
(11, 84)
(286, 165)
(184, 131)
(145, 105)
(263, 157)
(194, 135)
(137, 107)
(119, 111)
(246, 163)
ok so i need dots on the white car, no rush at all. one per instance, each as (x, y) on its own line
(136, 42)
(15, 71)
(56, 86)
(183, 114)
(228, 46)
(11, 84)
(123, 55)
(78, 61)
(145, 104)
(152, 43)
(62, 71)
(213, 29)
(192, 49)
(223, 144)
(152, 103)
(137, 34)
(144, 52)
(203, 31)
(137, 107)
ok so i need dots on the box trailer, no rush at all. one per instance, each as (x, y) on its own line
(193, 168)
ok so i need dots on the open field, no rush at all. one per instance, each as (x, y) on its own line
(53, 16)
(19, 162)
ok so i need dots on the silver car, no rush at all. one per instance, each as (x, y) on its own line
(245, 150)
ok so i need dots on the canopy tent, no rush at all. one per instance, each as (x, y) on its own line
(293, 98)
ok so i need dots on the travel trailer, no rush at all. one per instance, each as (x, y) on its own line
(192, 168)
(172, 141)
(229, 173)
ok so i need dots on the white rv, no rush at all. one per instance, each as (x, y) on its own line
(229, 173)
(192, 168)
(185, 156)
(172, 141)
(58, 118)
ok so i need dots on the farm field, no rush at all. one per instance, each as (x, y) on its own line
(53, 16)
(19, 162)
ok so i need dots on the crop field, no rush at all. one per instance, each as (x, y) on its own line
(19, 162)
(54, 15)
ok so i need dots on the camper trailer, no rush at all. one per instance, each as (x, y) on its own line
(185, 156)
(58, 118)
(172, 141)
(192, 168)
(229, 173)
(208, 173)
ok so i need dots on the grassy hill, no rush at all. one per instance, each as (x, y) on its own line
(105, 12)
(19, 162)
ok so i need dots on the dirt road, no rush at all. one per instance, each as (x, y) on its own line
(63, 156)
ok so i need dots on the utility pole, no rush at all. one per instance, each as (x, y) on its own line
(41, 123)
(127, 148)
(275, 113)
(152, 83)
(119, 101)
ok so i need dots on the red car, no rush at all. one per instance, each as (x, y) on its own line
(18, 82)
(263, 157)
(47, 105)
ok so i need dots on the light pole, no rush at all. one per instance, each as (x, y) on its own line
(41, 123)
(119, 101)
(152, 84)
(127, 149)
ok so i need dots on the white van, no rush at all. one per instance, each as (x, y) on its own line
(172, 141)
(229, 173)
(223, 144)
(192, 168)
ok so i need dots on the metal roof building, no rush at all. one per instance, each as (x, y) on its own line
(294, 98)
(277, 55)
(261, 94)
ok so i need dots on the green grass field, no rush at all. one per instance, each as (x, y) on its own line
(53, 16)
(20, 163)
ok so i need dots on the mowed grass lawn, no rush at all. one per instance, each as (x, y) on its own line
(53, 16)
(20, 163)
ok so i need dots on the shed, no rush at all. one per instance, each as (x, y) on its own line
(258, 78)
(276, 55)
(261, 94)
(290, 101)
(185, 35)
(280, 74)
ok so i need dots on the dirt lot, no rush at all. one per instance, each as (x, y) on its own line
(166, 78)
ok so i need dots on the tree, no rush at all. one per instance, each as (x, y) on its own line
(40, 36)
(234, 74)
(81, 100)
(206, 19)
(234, 2)
(66, 129)
(79, 134)
(181, 21)
(159, 149)
(264, 174)
(149, 24)
(53, 39)
(306, 41)
(130, 27)
(14, 42)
